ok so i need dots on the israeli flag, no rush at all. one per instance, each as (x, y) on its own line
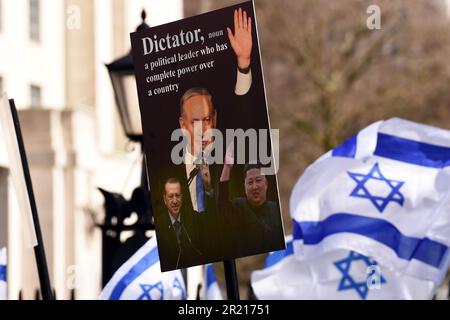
(140, 278)
(211, 289)
(3, 286)
(337, 275)
(384, 193)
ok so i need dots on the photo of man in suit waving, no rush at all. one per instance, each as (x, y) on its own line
(199, 178)
(197, 108)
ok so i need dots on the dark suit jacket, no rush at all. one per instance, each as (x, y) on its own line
(251, 230)
(177, 253)
(206, 224)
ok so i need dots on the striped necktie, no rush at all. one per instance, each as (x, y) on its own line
(200, 190)
(177, 227)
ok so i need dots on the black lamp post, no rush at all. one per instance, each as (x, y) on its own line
(117, 208)
(121, 72)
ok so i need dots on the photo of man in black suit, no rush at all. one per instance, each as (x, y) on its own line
(253, 222)
(197, 107)
(177, 235)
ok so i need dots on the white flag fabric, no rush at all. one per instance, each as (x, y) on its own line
(16, 169)
(3, 283)
(140, 278)
(337, 275)
(384, 193)
(211, 289)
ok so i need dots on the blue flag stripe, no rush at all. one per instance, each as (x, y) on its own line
(2, 273)
(346, 149)
(210, 276)
(146, 262)
(408, 248)
(277, 256)
(410, 151)
(400, 149)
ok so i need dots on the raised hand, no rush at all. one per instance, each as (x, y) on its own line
(241, 41)
(206, 177)
(229, 155)
(228, 165)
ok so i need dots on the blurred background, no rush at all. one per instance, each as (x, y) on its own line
(327, 76)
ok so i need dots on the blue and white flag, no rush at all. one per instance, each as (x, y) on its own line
(3, 283)
(140, 278)
(338, 275)
(211, 289)
(384, 193)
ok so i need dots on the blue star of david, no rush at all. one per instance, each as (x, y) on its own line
(347, 282)
(380, 203)
(177, 285)
(147, 288)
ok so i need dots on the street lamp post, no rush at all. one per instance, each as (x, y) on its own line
(123, 81)
(117, 208)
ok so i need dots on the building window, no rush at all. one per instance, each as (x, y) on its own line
(35, 96)
(34, 20)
